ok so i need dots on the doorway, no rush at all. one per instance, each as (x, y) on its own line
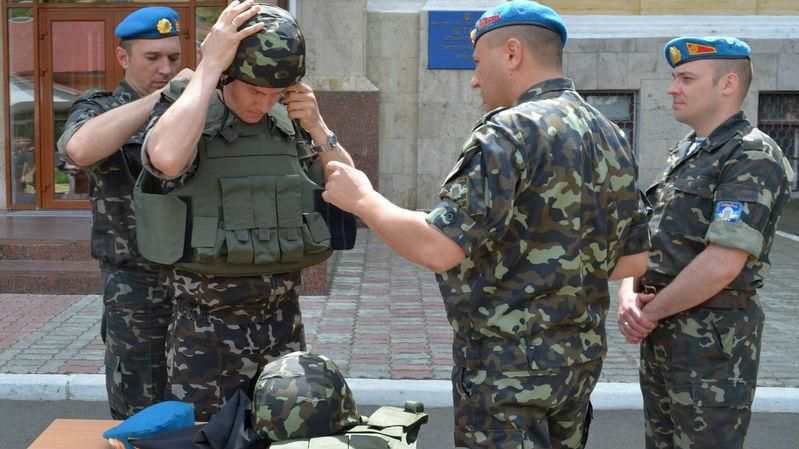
(76, 54)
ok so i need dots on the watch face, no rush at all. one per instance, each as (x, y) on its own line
(332, 141)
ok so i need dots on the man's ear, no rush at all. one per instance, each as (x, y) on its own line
(513, 53)
(123, 57)
(730, 83)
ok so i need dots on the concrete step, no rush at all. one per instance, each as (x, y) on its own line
(49, 277)
(44, 249)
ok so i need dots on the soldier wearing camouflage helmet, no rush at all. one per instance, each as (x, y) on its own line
(227, 200)
(696, 311)
(104, 134)
(540, 211)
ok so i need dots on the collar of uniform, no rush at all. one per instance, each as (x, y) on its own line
(550, 85)
(124, 90)
(725, 131)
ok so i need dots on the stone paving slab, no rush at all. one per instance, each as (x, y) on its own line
(383, 319)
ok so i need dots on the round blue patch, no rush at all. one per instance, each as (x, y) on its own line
(729, 211)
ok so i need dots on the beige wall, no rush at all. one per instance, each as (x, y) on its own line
(676, 7)
(2, 122)
(424, 115)
(427, 114)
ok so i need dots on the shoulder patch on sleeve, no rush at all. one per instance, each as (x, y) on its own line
(458, 191)
(728, 211)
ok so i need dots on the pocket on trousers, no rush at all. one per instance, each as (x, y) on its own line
(722, 394)
(114, 383)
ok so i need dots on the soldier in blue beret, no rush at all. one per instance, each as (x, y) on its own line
(103, 135)
(540, 211)
(696, 310)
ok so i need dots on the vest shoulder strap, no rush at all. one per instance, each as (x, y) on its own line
(281, 117)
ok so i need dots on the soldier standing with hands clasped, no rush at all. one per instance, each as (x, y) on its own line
(696, 311)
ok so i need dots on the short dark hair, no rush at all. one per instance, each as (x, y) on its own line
(125, 44)
(543, 43)
(740, 67)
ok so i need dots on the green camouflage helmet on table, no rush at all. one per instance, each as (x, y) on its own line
(303, 397)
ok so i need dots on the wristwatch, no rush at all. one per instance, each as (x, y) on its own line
(332, 142)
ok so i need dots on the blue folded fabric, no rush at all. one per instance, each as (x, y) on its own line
(157, 418)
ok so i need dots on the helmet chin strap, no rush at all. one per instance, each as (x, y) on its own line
(224, 82)
(221, 84)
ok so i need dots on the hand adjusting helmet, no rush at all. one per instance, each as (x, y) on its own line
(273, 57)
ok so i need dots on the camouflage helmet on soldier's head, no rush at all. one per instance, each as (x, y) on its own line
(302, 395)
(273, 57)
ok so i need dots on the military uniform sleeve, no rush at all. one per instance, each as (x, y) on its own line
(750, 182)
(477, 196)
(82, 110)
(159, 109)
(636, 236)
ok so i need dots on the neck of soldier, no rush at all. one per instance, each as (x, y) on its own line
(520, 82)
(708, 123)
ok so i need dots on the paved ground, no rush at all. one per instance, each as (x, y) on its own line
(383, 319)
(617, 429)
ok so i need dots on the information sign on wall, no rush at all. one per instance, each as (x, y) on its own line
(448, 43)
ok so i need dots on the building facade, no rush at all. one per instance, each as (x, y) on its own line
(375, 67)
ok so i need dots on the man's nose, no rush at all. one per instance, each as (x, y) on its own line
(672, 89)
(165, 67)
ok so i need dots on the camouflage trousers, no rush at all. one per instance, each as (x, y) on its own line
(224, 330)
(134, 324)
(523, 409)
(698, 375)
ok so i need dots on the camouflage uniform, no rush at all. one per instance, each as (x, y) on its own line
(225, 328)
(544, 201)
(135, 311)
(699, 367)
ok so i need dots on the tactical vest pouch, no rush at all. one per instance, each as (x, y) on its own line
(160, 224)
(289, 218)
(264, 222)
(237, 207)
(265, 242)
(206, 239)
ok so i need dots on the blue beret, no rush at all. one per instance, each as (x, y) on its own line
(152, 22)
(684, 49)
(154, 419)
(519, 12)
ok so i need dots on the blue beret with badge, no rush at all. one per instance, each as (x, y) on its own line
(152, 22)
(519, 12)
(685, 49)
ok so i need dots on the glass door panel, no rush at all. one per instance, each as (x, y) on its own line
(22, 130)
(75, 56)
(78, 64)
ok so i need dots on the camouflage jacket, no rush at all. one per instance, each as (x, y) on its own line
(544, 201)
(730, 191)
(111, 182)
